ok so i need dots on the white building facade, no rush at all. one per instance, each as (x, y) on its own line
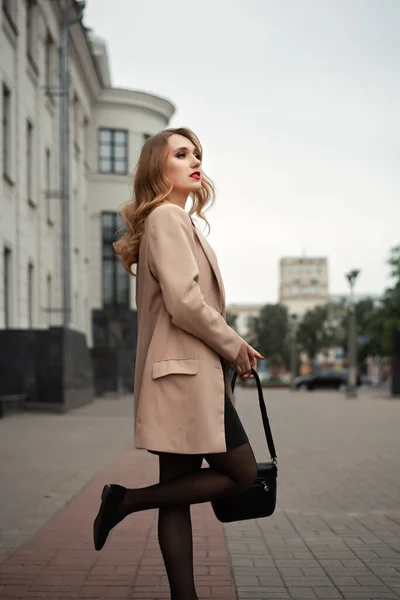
(122, 121)
(107, 129)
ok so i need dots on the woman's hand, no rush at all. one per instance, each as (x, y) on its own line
(246, 360)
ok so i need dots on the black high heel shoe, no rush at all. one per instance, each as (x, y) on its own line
(111, 498)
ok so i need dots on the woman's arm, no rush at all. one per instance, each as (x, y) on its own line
(173, 263)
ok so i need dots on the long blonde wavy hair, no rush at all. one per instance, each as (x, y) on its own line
(152, 188)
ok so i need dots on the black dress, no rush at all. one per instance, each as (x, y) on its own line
(235, 434)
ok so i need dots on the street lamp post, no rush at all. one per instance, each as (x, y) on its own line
(293, 354)
(351, 390)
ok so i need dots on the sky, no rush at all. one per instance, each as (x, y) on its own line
(296, 104)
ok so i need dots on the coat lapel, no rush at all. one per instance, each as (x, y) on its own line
(212, 259)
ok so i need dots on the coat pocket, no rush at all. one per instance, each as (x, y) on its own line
(181, 366)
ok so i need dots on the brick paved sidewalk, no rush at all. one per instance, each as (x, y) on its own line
(336, 531)
(46, 459)
(59, 561)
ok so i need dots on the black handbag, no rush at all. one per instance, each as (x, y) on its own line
(260, 500)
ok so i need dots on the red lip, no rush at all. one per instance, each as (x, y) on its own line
(196, 175)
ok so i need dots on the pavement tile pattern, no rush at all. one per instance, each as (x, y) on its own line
(335, 533)
(45, 459)
(336, 530)
(59, 560)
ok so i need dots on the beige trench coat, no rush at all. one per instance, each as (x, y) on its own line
(179, 385)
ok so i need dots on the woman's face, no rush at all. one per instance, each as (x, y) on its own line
(183, 167)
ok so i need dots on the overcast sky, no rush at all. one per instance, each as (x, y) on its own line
(296, 103)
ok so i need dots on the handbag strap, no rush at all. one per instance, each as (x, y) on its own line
(263, 409)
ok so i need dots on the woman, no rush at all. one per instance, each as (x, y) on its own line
(182, 396)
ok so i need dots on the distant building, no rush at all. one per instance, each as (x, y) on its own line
(303, 283)
(244, 312)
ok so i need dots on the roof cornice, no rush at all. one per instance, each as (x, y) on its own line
(150, 102)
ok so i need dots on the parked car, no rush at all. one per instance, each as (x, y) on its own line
(324, 380)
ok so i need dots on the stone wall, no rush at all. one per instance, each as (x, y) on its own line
(52, 367)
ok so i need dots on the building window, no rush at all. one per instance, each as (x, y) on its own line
(29, 160)
(314, 287)
(7, 6)
(49, 66)
(6, 132)
(30, 295)
(47, 183)
(295, 288)
(85, 140)
(9, 9)
(7, 287)
(30, 29)
(113, 151)
(75, 215)
(49, 298)
(116, 281)
(75, 109)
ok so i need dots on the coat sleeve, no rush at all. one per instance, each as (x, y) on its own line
(173, 263)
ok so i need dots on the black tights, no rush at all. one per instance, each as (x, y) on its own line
(183, 482)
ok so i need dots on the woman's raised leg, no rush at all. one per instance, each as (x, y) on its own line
(230, 473)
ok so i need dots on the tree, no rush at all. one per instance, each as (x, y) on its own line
(391, 301)
(231, 319)
(315, 332)
(269, 334)
(394, 263)
(375, 320)
(369, 329)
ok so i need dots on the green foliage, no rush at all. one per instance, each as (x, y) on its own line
(316, 332)
(391, 301)
(269, 334)
(375, 321)
(394, 263)
(231, 319)
(326, 326)
(369, 329)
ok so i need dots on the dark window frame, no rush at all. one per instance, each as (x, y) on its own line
(48, 192)
(49, 64)
(6, 130)
(10, 15)
(29, 27)
(29, 161)
(85, 141)
(7, 282)
(31, 21)
(112, 145)
(75, 122)
(112, 264)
